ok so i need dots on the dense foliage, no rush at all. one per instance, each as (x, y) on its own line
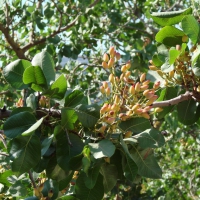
(96, 129)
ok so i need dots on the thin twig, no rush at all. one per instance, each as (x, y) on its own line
(4, 154)
(32, 180)
(2, 139)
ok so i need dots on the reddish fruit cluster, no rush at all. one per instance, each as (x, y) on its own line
(126, 98)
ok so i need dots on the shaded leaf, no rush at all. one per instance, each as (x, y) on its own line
(91, 178)
(109, 173)
(88, 115)
(82, 192)
(73, 98)
(18, 123)
(64, 150)
(25, 153)
(146, 162)
(136, 125)
(187, 112)
(150, 138)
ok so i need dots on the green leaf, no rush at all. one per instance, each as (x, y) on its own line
(45, 61)
(13, 73)
(109, 173)
(170, 18)
(18, 123)
(187, 112)
(31, 101)
(88, 115)
(25, 153)
(151, 138)
(104, 148)
(18, 189)
(170, 36)
(58, 88)
(46, 144)
(130, 169)
(191, 28)
(73, 98)
(86, 164)
(4, 176)
(173, 54)
(67, 148)
(146, 162)
(82, 192)
(32, 129)
(195, 57)
(65, 182)
(51, 185)
(136, 125)
(68, 118)
(34, 75)
(91, 178)
(166, 94)
(156, 60)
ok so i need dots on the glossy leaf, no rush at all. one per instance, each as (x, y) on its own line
(4, 176)
(136, 125)
(45, 61)
(73, 98)
(146, 162)
(170, 18)
(173, 54)
(104, 148)
(25, 153)
(13, 73)
(34, 75)
(18, 123)
(191, 28)
(32, 129)
(88, 115)
(82, 192)
(58, 88)
(150, 138)
(68, 118)
(91, 177)
(109, 173)
(170, 36)
(45, 144)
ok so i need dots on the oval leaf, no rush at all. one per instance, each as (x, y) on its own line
(13, 73)
(45, 61)
(104, 148)
(18, 123)
(25, 153)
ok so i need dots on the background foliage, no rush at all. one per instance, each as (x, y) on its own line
(50, 146)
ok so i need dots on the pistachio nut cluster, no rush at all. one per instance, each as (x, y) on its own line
(126, 98)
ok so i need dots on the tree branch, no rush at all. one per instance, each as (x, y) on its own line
(32, 180)
(183, 97)
(15, 47)
(60, 30)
